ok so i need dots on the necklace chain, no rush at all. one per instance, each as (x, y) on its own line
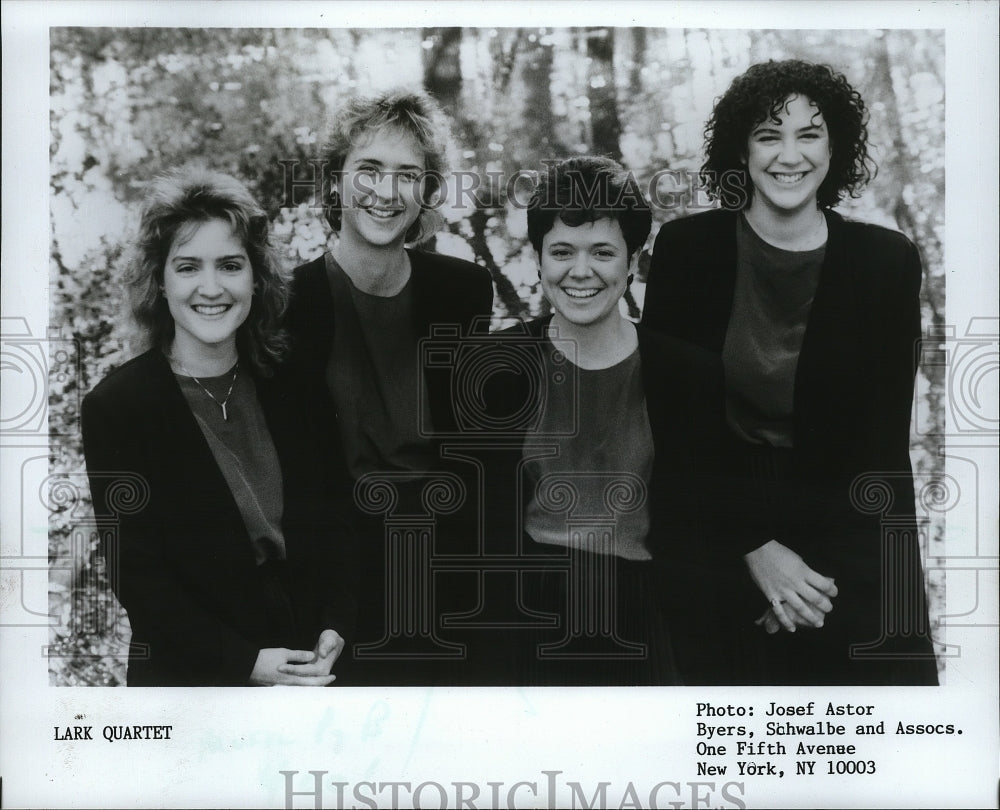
(211, 396)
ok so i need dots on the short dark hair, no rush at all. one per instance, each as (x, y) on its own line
(413, 112)
(191, 196)
(585, 189)
(759, 94)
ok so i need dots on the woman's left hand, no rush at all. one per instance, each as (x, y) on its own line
(799, 596)
(770, 622)
(327, 650)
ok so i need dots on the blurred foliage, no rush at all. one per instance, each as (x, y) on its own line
(127, 104)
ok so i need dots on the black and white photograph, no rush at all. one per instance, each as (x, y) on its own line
(598, 406)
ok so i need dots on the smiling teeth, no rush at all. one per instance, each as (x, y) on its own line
(382, 214)
(789, 178)
(214, 309)
(572, 293)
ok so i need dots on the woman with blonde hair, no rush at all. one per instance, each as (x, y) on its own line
(227, 560)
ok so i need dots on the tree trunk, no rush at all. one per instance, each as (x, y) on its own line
(443, 67)
(605, 125)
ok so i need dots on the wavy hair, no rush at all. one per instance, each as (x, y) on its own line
(412, 112)
(585, 189)
(175, 202)
(759, 94)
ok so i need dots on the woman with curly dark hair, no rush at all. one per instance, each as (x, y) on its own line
(816, 319)
(224, 552)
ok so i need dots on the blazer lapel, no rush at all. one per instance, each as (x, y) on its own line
(826, 378)
(720, 255)
(430, 309)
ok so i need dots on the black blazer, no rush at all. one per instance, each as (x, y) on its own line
(684, 401)
(447, 292)
(179, 557)
(854, 381)
(852, 402)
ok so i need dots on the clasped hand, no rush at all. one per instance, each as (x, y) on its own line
(277, 666)
(799, 596)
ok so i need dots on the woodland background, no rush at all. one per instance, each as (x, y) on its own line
(127, 104)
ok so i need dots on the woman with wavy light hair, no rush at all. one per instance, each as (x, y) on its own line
(224, 562)
(816, 319)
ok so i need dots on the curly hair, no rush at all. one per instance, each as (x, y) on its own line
(413, 112)
(759, 94)
(585, 189)
(175, 202)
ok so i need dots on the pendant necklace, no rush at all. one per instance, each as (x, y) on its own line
(236, 370)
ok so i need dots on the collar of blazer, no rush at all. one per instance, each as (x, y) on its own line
(313, 303)
(720, 233)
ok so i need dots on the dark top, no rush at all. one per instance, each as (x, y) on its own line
(681, 385)
(852, 396)
(774, 292)
(854, 380)
(373, 377)
(245, 453)
(179, 556)
(449, 294)
(608, 443)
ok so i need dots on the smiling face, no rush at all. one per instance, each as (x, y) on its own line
(584, 270)
(380, 192)
(208, 285)
(788, 160)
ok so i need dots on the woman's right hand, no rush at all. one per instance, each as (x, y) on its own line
(797, 593)
(266, 670)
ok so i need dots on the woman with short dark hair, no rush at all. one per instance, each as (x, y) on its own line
(614, 440)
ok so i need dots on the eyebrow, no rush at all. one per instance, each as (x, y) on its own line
(772, 127)
(198, 258)
(591, 247)
(380, 164)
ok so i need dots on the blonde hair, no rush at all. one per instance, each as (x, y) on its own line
(412, 112)
(176, 201)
